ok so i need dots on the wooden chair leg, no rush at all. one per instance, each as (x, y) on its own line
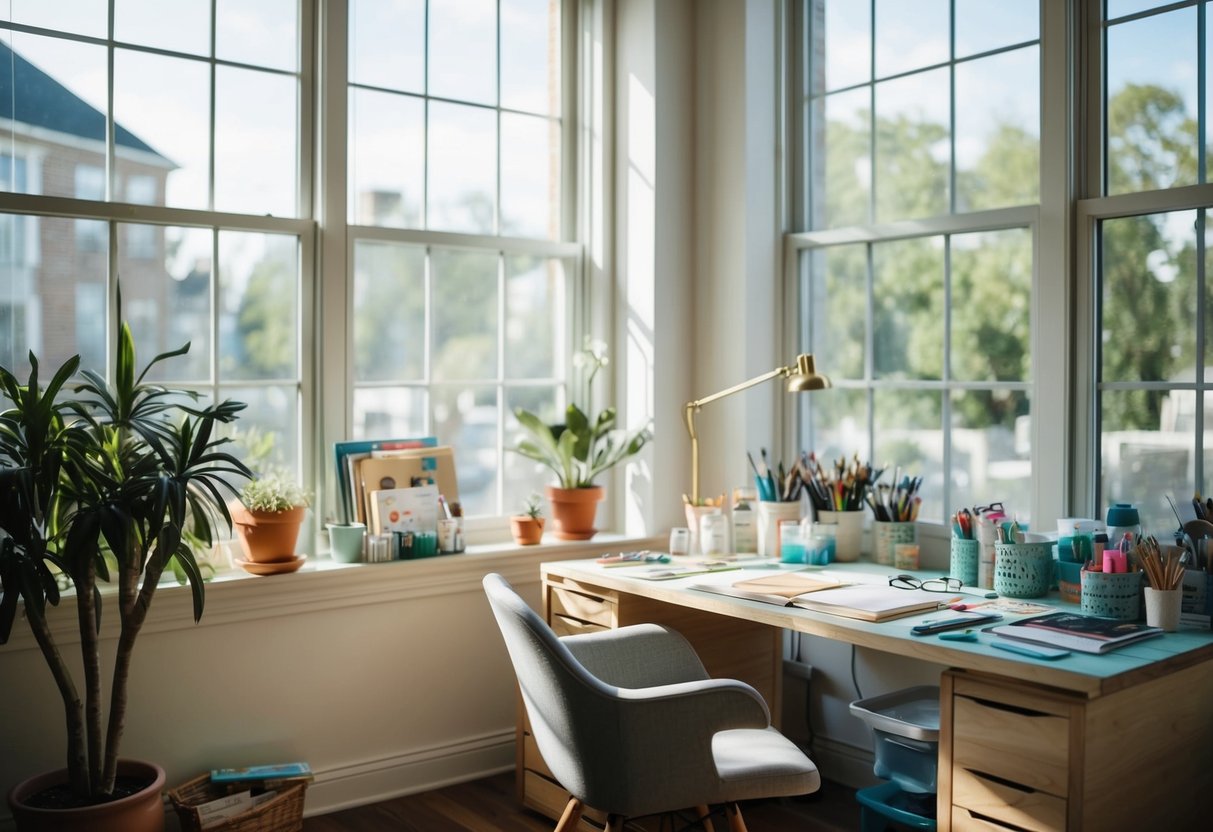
(614, 823)
(736, 822)
(572, 814)
(705, 817)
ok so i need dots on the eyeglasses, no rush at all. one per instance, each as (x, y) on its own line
(932, 585)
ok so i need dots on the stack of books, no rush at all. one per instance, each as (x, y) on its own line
(1084, 633)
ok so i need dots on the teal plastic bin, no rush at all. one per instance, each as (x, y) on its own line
(906, 726)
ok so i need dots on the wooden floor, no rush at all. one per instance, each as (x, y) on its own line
(489, 805)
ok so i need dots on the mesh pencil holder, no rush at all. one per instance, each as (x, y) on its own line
(1022, 570)
(963, 563)
(885, 537)
(1112, 594)
(281, 813)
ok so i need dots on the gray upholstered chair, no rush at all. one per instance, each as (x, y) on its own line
(631, 724)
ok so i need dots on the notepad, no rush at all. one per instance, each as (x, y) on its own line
(868, 602)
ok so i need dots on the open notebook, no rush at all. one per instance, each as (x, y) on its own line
(868, 602)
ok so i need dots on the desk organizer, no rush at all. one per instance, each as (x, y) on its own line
(1023, 570)
(1112, 594)
(963, 564)
(885, 537)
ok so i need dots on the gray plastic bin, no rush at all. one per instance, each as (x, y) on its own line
(906, 723)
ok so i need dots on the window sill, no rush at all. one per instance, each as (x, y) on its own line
(322, 584)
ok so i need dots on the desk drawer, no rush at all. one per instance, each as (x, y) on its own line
(562, 625)
(590, 609)
(1007, 802)
(1011, 741)
(964, 820)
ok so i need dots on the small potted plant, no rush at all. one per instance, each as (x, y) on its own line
(527, 527)
(579, 450)
(267, 516)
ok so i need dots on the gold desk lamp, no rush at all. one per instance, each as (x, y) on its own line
(802, 377)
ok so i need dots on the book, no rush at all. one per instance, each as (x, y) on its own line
(347, 486)
(271, 772)
(781, 588)
(867, 602)
(404, 510)
(408, 469)
(1085, 633)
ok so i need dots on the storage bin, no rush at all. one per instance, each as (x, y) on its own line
(1023, 570)
(281, 813)
(906, 724)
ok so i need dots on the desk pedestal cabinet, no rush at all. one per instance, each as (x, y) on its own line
(1020, 756)
(728, 648)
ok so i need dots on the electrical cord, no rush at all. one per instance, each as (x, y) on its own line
(855, 678)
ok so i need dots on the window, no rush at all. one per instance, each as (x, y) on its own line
(182, 127)
(1149, 253)
(458, 197)
(918, 136)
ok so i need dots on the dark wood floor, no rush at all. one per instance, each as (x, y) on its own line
(489, 805)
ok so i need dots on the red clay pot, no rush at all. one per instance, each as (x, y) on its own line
(267, 536)
(527, 530)
(574, 510)
(142, 811)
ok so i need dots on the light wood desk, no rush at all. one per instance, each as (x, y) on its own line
(1119, 741)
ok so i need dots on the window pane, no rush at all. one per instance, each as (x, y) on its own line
(910, 34)
(165, 102)
(184, 26)
(56, 99)
(998, 131)
(84, 17)
(991, 306)
(1146, 443)
(530, 177)
(465, 315)
(258, 32)
(467, 419)
(1148, 297)
(389, 312)
(463, 50)
(381, 412)
(255, 111)
(912, 153)
(273, 415)
(387, 159)
(842, 138)
(841, 46)
(982, 25)
(167, 299)
(40, 293)
(838, 289)
(259, 305)
(908, 436)
(387, 44)
(462, 168)
(991, 449)
(535, 302)
(838, 423)
(907, 328)
(1152, 137)
(530, 56)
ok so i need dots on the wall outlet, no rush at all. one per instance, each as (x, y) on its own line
(803, 670)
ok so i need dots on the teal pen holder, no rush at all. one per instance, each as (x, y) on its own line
(1112, 594)
(963, 563)
(1023, 570)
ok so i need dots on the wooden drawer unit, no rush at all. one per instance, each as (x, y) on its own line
(571, 604)
(998, 800)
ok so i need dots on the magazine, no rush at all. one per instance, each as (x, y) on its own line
(1085, 633)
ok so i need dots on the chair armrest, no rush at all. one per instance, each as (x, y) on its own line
(638, 656)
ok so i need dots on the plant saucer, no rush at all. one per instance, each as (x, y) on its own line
(276, 568)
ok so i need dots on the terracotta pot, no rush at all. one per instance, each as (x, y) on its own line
(267, 536)
(142, 811)
(573, 511)
(527, 530)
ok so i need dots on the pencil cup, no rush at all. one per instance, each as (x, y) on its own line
(963, 563)
(769, 515)
(886, 535)
(345, 541)
(849, 536)
(1111, 594)
(1162, 608)
(1022, 570)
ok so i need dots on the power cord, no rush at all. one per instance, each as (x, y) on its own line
(855, 678)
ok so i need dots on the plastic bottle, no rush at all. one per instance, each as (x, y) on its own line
(745, 525)
(1122, 519)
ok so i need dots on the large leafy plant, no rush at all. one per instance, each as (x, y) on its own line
(583, 447)
(103, 483)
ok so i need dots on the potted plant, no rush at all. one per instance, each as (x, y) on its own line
(102, 484)
(268, 515)
(578, 451)
(527, 527)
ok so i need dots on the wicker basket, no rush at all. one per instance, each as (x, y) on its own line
(282, 813)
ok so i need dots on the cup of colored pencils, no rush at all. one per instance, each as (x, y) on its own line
(1165, 574)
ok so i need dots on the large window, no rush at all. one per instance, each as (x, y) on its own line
(1147, 217)
(918, 138)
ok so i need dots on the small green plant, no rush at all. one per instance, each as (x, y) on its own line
(533, 507)
(273, 493)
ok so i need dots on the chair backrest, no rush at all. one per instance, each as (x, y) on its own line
(569, 708)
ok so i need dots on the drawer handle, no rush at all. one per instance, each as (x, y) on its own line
(1003, 706)
(1001, 824)
(1002, 781)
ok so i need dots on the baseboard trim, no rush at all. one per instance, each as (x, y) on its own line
(844, 763)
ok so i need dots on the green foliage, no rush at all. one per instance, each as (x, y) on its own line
(533, 507)
(119, 473)
(273, 493)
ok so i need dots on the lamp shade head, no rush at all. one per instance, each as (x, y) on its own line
(806, 377)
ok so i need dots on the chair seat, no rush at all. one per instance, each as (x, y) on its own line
(756, 763)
